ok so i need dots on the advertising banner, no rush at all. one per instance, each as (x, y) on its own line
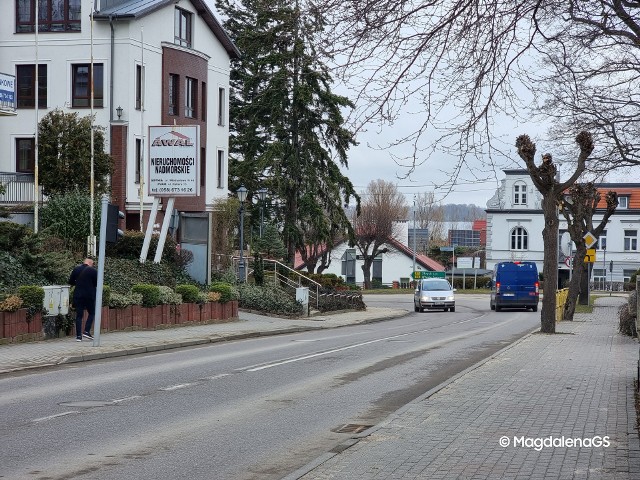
(174, 161)
(7, 92)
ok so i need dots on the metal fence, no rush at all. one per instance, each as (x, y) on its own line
(19, 189)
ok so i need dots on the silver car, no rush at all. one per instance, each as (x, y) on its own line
(434, 294)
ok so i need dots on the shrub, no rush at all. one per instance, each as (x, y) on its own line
(32, 296)
(268, 299)
(150, 294)
(168, 296)
(190, 293)
(118, 300)
(626, 314)
(130, 246)
(11, 304)
(121, 274)
(227, 292)
(106, 294)
(67, 216)
(213, 296)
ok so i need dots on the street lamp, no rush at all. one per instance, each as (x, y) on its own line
(242, 196)
(262, 195)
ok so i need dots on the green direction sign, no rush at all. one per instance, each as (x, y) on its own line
(427, 274)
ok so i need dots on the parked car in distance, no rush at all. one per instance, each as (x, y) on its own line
(434, 294)
(515, 285)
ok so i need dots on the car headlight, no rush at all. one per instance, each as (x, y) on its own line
(451, 298)
(426, 299)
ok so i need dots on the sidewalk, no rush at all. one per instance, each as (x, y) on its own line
(20, 356)
(514, 416)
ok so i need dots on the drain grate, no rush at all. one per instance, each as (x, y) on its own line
(351, 428)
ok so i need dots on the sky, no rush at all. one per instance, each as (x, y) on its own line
(371, 159)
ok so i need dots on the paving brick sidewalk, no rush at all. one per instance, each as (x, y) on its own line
(578, 384)
(14, 357)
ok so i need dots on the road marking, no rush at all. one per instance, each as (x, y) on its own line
(51, 417)
(255, 368)
(126, 399)
(176, 387)
(216, 377)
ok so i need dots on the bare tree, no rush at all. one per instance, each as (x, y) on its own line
(457, 66)
(430, 215)
(578, 209)
(382, 207)
(546, 181)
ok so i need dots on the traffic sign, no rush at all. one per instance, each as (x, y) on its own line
(427, 274)
(446, 249)
(590, 239)
(590, 257)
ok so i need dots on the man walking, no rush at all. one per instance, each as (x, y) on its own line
(85, 279)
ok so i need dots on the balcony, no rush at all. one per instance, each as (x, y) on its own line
(19, 189)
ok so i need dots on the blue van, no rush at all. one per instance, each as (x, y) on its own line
(515, 285)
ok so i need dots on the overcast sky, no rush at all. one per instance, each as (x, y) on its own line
(370, 160)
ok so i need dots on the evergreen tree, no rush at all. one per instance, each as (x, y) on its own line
(287, 128)
(65, 154)
(270, 245)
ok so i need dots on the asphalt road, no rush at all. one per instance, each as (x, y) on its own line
(251, 409)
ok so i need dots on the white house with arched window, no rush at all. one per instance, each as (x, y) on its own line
(515, 222)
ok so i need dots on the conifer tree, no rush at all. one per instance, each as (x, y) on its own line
(287, 127)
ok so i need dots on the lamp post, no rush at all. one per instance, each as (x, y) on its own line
(242, 196)
(262, 195)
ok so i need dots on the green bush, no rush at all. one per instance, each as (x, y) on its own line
(130, 246)
(268, 299)
(106, 294)
(190, 293)
(168, 296)
(31, 295)
(227, 292)
(118, 300)
(67, 216)
(15, 237)
(121, 274)
(150, 294)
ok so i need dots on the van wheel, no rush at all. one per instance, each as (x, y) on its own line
(415, 309)
(493, 307)
(452, 309)
(498, 308)
(534, 308)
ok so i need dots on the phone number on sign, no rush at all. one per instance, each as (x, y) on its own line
(173, 190)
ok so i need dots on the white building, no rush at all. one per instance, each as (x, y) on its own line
(155, 62)
(395, 265)
(515, 222)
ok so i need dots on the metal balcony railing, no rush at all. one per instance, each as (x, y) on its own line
(19, 189)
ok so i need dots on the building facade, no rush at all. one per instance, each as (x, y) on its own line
(151, 62)
(515, 222)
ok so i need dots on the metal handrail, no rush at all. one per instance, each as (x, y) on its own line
(19, 188)
(280, 278)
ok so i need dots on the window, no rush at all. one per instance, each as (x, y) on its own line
(221, 105)
(376, 270)
(190, 97)
(174, 83)
(54, 15)
(519, 194)
(220, 169)
(25, 155)
(630, 240)
(627, 274)
(26, 86)
(138, 159)
(623, 202)
(139, 86)
(183, 28)
(81, 85)
(349, 265)
(519, 239)
(204, 102)
(601, 244)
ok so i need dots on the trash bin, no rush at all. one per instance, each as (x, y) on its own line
(396, 284)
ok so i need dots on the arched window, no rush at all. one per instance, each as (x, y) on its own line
(519, 239)
(519, 193)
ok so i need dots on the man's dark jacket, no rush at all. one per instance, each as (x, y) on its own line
(85, 279)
